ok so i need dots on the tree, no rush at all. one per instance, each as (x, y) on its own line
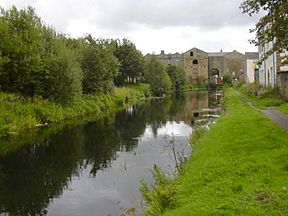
(177, 76)
(156, 75)
(21, 48)
(131, 62)
(272, 26)
(63, 73)
(99, 65)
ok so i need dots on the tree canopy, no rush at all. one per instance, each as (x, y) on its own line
(273, 26)
(156, 75)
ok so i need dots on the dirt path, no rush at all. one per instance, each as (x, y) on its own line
(280, 118)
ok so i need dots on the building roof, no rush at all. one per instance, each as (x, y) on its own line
(193, 49)
(251, 55)
(217, 54)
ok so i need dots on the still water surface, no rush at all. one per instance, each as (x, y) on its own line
(94, 169)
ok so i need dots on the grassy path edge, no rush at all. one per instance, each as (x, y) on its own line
(240, 167)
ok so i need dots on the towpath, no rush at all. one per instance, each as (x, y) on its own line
(280, 118)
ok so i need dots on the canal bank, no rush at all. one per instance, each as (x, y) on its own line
(238, 168)
(19, 114)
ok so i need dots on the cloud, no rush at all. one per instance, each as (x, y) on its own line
(126, 15)
(152, 24)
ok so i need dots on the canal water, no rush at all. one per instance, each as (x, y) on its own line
(95, 168)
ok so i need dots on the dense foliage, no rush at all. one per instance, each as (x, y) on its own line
(177, 76)
(156, 75)
(35, 60)
(131, 62)
(273, 26)
(99, 65)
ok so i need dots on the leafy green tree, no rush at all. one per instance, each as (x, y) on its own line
(63, 73)
(273, 25)
(177, 76)
(21, 46)
(156, 75)
(131, 62)
(99, 65)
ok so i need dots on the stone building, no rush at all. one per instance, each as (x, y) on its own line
(196, 66)
(171, 59)
(234, 64)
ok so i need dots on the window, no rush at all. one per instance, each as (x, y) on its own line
(191, 53)
(195, 62)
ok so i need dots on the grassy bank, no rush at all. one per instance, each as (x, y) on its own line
(264, 97)
(240, 167)
(18, 114)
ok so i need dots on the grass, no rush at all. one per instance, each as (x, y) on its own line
(239, 167)
(18, 114)
(262, 97)
(283, 108)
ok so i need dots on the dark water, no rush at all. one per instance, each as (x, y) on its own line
(95, 168)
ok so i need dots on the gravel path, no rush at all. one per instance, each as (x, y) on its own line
(280, 118)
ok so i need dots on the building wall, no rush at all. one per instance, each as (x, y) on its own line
(268, 68)
(251, 67)
(282, 83)
(216, 62)
(234, 64)
(196, 66)
(171, 59)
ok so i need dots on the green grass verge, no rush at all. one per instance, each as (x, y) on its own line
(239, 167)
(283, 108)
(17, 114)
(267, 97)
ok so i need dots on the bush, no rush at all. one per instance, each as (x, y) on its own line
(161, 196)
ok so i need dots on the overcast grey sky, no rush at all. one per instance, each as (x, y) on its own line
(153, 25)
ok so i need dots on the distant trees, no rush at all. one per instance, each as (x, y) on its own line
(131, 62)
(177, 76)
(99, 64)
(156, 75)
(273, 25)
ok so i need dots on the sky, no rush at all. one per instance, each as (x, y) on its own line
(153, 25)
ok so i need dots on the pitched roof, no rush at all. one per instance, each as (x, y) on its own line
(251, 55)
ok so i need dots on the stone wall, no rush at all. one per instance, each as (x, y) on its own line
(216, 61)
(282, 83)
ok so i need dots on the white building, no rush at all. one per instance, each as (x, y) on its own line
(268, 68)
(251, 68)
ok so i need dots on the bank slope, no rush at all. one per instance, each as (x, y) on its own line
(17, 114)
(240, 167)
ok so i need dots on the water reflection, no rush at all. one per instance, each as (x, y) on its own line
(94, 168)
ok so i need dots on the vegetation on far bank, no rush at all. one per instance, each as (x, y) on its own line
(239, 167)
(18, 113)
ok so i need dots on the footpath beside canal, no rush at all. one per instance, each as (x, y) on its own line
(239, 167)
